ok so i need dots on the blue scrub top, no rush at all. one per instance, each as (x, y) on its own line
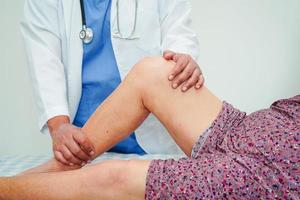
(100, 73)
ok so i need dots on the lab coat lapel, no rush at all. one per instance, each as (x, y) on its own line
(75, 52)
(75, 44)
(67, 9)
(113, 25)
(73, 26)
(113, 14)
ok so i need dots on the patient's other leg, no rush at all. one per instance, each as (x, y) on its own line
(107, 180)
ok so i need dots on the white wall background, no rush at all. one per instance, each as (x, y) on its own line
(249, 54)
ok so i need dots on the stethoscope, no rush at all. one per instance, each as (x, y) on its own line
(87, 34)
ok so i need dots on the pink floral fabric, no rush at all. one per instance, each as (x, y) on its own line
(241, 156)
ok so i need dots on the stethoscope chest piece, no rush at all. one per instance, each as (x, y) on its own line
(86, 35)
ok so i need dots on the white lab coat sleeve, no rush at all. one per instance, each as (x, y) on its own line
(41, 35)
(176, 31)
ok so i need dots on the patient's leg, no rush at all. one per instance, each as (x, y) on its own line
(147, 89)
(107, 180)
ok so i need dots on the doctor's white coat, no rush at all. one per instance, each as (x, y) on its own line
(54, 52)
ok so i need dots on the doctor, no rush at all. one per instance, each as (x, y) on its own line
(79, 52)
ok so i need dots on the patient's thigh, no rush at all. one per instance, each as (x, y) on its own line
(187, 115)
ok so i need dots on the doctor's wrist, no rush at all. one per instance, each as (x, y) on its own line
(55, 122)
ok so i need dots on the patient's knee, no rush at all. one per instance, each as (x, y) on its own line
(152, 70)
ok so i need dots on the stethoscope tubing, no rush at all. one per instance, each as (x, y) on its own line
(131, 34)
(86, 34)
(82, 13)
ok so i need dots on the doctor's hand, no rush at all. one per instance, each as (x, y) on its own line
(186, 72)
(70, 145)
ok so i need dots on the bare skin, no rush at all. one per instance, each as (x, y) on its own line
(145, 90)
(72, 147)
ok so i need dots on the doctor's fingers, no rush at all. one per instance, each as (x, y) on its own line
(69, 156)
(192, 81)
(59, 156)
(184, 75)
(85, 143)
(77, 151)
(200, 82)
(181, 63)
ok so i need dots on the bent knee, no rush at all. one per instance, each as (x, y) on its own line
(151, 69)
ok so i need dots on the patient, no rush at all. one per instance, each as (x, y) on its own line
(229, 155)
